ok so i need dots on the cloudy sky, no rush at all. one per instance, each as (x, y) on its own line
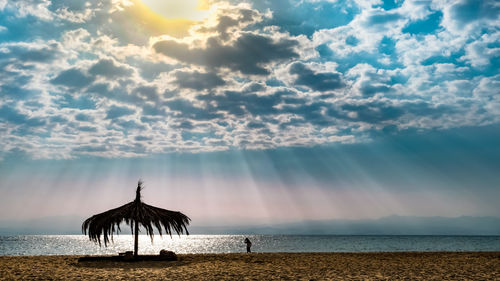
(255, 111)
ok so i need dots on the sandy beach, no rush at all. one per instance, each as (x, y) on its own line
(264, 266)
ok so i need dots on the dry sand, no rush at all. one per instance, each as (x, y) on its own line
(264, 266)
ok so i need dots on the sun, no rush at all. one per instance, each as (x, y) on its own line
(180, 9)
(166, 17)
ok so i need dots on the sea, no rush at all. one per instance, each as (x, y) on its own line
(33, 245)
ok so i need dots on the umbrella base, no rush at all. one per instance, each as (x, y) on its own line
(124, 259)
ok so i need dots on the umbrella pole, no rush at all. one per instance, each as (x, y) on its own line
(136, 240)
(137, 202)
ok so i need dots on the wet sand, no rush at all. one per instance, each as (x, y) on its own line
(264, 266)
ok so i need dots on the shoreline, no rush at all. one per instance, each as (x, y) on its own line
(263, 266)
(271, 253)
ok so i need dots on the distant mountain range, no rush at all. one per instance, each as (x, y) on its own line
(391, 225)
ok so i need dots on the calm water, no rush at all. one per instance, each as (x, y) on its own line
(80, 245)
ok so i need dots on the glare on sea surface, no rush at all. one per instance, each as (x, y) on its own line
(29, 245)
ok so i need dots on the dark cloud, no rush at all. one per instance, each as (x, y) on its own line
(9, 114)
(267, 106)
(100, 88)
(306, 17)
(186, 109)
(129, 125)
(274, 82)
(33, 105)
(225, 22)
(143, 138)
(239, 104)
(72, 78)
(16, 92)
(109, 69)
(58, 119)
(254, 87)
(197, 80)
(151, 70)
(38, 54)
(69, 101)
(119, 93)
(292, 122)
(382, 18)
(309, 112)
(118, 111)
(368, 88)
(187, 135)
(185, 124)
(466, 11)
(70, 5)
(137, 148)
(247, 54)
(378, 112)
(84, 117)
(91, 148)
(87, 129)
(147, 92)
(153, 110)
(150, 119)
(256, 125)
(372, 113)
(316, 81)
(422, 108)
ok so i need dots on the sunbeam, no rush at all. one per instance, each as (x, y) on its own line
(268, 126)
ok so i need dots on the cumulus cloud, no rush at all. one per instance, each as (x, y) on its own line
(109, 69)
(469, 14)
(248, 54)
(316, 81)
(110, 79)
(118, 111)
(483, 51)
(12, 115)
(72, 78)
(185, 109)
(197, 80)
(84, 117)
(31, 52)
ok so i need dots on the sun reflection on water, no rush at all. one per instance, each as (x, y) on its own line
(32, 245)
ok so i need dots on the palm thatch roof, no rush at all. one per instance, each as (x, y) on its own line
(136, 214)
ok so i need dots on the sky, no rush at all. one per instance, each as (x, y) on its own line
(250, 111)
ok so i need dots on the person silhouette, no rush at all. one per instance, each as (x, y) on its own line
(249, 244)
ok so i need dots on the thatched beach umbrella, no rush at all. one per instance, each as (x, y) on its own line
(135, 214)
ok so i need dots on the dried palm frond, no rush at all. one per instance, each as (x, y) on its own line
(136, 214)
